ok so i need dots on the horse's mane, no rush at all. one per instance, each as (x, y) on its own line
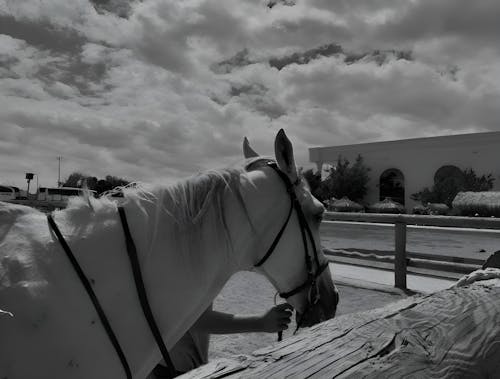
(188, 201)
(193, 208)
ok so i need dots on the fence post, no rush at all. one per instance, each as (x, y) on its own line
(400, 255)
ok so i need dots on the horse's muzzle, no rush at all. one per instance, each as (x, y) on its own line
(326, 305)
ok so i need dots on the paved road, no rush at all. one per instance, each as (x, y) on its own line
(458, 242)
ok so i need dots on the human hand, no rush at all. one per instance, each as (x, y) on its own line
(277, 318)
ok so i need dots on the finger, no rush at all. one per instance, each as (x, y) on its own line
(284, 312)
(283, 315)
(284, 306)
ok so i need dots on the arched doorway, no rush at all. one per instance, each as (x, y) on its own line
(392, 184)
(449, 173)
(448, 181)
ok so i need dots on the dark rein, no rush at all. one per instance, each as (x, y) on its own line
(141, 293)
(313, 295)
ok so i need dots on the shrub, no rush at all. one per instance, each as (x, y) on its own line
(438, 208)
(484, 204)
(445, 189)
(420, 210)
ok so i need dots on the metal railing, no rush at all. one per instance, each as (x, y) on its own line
(401, 259)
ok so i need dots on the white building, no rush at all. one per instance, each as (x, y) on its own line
(402, 168)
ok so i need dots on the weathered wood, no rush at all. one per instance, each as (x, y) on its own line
(400, 255)
(382, 254)
(453, 221)
(453, 333)
(413, 260)
(425, 268)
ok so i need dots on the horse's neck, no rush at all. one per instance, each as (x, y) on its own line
(180, 287)
(254, 227)
(183, 283)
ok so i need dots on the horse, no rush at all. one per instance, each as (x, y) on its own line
(191, 237)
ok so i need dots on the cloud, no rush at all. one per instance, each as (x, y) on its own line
(159, 89)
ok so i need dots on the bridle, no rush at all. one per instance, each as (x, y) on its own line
(314, 269)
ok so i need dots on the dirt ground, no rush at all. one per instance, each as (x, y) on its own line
(249, 293)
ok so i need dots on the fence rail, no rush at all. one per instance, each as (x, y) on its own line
(400, 260)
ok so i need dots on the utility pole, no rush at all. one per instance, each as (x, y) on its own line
(59, 172)
(29, 177)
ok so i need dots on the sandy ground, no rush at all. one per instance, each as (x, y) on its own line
(249, 293)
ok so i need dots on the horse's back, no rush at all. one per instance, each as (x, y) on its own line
(46, 323)
(16, 252)
(9, 214)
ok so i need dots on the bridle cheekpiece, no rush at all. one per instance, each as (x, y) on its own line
(312, 275)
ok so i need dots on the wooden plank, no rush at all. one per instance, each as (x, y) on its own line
(450, 221)
(386, 266)
(386, 262)
(448, 334)
(442, 266)
(386, 253)
(433, 273)
(400, 255)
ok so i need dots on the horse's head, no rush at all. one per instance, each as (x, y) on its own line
(286, 218)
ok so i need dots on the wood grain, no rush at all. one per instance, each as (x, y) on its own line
(453, 333)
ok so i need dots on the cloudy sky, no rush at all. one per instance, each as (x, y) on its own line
(156, 90)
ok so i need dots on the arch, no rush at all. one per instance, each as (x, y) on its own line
(392, 184)
(449, 173)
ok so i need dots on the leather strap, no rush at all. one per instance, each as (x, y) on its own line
(92, 296)
(141, 292)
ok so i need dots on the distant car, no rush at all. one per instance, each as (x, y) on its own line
(61, 193)
(9, 193)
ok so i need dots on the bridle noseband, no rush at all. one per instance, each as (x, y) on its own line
(305, 230)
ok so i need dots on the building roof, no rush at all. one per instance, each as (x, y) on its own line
(469, 139)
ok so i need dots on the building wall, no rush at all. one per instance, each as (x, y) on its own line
(419, 159)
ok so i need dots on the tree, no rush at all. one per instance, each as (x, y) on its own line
(79, 180)
(445, 188)
(346, 180)
(75, 180)
(115, 181)
(475, 183)
(313, 179)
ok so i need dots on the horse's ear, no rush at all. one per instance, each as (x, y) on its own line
(248, 152)
(284, 155)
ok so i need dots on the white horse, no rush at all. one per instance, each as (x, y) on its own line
(191, 237)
